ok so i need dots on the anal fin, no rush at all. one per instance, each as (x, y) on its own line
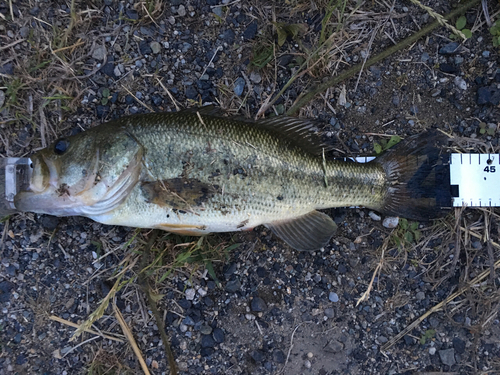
(309, 232)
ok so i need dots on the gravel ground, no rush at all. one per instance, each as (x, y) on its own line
(275, 310)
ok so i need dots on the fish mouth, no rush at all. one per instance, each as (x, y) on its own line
(90, 196)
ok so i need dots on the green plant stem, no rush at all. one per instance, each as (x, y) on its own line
(144, 283)
(306, 98)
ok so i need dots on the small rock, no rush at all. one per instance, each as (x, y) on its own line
(374, 216)
(279, 356)
(447, 356)
(34, 11)
(258, 355)
(420, 296)
(459, 345)
(24, 31)
(307, 364)
(334, 346)
(181, 11)
(99, 53)
(333, 297)
(145, 48)
(239, 86)
(109, 69)
(425, 57)
(255, 77)
(450, 48)
(219, 335)
(5, 291)
(155, 47)
(382, 339)
(460, 83)
(228, 36)
(233, 286)
(190, 294)
(329, 313)
(432, 350)
(486, 54)
(390, 222)
(50, 222)
(188, 321)
(207, 341)
(483, 95)
(448, 68)
(132, 14)
(250, 31)
(258, 304)
(191, 93)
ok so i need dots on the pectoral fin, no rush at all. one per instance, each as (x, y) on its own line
(305, 233)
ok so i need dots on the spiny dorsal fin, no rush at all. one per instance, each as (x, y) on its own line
(299, 132)
(309, 232)
(302, 133)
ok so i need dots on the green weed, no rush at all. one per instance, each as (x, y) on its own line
(406, 233)
(485, 129)
(384, 144)
(429, 334)
(495, 32)
(460, 25)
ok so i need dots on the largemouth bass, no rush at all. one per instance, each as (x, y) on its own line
(193, 172)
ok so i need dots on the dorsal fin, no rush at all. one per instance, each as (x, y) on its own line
(299, 132)
(302, 133)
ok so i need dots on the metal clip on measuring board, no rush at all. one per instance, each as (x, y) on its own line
(15, 175)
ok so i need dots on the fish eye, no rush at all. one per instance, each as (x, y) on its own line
(61, 146)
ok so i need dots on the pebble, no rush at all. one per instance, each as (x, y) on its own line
(219, 335)
(334, 346)
(307, 364)
(449, 49)
(207, 341)
(333, 297)
(155, 47)
(228, 36)
(329, 313)
(24, 31)
(255, 77)
(374, 216)
(233, 286)
(420, 296)
(190, 294)
(459, 345)
(50, 222)
(279, 356)
(382, 339)
(239, 86)
(144, 47)
(258, 355)
(447, 356)
(460, 83)
(258, 304)
(99, 53)
(390, 222)
(432, 350)
(250, 31)
(181, 11)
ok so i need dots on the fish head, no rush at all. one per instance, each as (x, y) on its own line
(86, 174)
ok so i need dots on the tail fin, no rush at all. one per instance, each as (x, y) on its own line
(418, 177)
